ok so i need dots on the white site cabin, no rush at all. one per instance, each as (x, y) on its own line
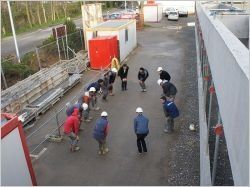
(124, 29)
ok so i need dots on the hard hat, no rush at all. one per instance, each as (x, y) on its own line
(67, 104)
(92, 89)
(104, 114)
(159, 82)
(114, 70)
(86, 94)
(139, 110)
(85, 106)
(192, 127)
(159, 69)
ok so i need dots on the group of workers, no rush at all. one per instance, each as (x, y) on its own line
(79, 112)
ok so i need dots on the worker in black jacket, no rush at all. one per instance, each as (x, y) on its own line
(164, 75)
(123, 74)
(169, 89)
(142, 76)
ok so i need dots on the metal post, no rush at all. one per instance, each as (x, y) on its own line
(66, 34)
(38, 58)
(13, 31)
(81, 38)
(216, 150)
(57, 123)
(64, 48)
(4, 80)
(58, 48)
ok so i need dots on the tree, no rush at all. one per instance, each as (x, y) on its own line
(71, 26)
(28, 14)
(44, 12)
(38, 13)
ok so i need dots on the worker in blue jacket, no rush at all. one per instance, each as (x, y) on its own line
(97, 85)
(101, 131)
(141, 130)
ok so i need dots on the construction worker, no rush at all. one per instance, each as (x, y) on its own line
(104, 87)
(86, 117)
(100, 133)
(123, 74)
(69, 109)
(164, 75)
(169, 89)
(93, 98)
(71, 129)
(171, 112)
(97, 85)
(142, 76)
(141, 130)
(86, 101)
(112, 76)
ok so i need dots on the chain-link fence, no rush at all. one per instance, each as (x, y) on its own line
(44, 56)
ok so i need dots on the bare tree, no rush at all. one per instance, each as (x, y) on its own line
(44, 13)
(38, 13)
(28, 14)
(65, 9)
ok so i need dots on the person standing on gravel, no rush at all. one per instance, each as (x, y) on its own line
(123, 74)
(100, 133)
(142, 76)
(141, 130)
(171, 112)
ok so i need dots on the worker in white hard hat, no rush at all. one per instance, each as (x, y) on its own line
(100, 133)
(141, 130)
(164, 75)
(86, 117)
(93, 98)
(169, 89)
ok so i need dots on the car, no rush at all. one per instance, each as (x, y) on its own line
(168, 10)
(173, 16)
(115, 15)
(183, 12)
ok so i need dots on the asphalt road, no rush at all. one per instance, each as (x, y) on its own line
(160, 45)
(28, 41)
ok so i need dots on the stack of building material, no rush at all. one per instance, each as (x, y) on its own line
(75, 65)
(28, 90)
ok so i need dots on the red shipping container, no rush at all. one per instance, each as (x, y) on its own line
(102, 50)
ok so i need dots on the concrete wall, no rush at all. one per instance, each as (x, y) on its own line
(229, 63)
(237, 24)
(152, 13)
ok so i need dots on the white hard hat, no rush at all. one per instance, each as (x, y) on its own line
(86, 94)
(85, 106)
(192, 127)
(92, 89)
(159, 82)
(104, 114)
(114, 70)
(67, 104)
(139, 110)
(159, 69)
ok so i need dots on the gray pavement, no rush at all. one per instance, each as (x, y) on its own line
(159, 45)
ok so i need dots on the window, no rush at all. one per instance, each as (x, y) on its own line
(126, 35)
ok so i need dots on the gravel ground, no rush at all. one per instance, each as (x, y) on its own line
(185, 168)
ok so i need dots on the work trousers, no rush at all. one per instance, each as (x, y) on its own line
(124, 85)
(72, 138)
(143, 85)
(93, 101)
(169, 125)
(105, 93)
(141, 144)
(102, 144)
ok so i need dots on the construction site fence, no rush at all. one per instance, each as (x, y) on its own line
(44, 56)
(52, 128)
